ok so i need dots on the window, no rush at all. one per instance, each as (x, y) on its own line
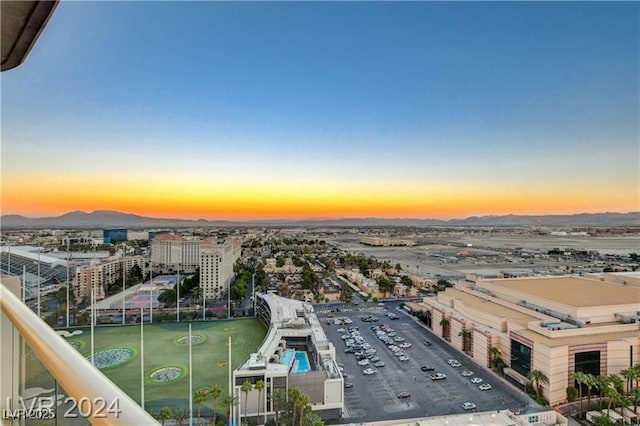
(520, 358)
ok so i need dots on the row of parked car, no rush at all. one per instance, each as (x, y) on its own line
(387, 335)
(361, 349)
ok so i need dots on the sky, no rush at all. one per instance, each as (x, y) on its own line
(277, 110)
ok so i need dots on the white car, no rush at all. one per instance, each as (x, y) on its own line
(468, 405)
(455, 364)
(476, 380)
(341, 330)
(438, 376)
(484, 386)
(369, 372)
(404, 345)
(404, 358)
(363, 362)
(466, 373)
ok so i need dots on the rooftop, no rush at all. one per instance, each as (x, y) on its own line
(571, 291)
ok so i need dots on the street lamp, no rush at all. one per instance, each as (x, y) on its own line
(39, 284)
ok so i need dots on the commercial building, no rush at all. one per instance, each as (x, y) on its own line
(386, 242)
(176, 252)
(557, 325)
(295, 353)
(114, 235)
(216, 266)
(100, 274)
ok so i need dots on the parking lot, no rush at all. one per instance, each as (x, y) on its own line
(400, 388)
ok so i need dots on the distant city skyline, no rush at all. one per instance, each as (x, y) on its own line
(295, 110)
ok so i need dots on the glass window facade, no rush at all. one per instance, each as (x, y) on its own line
(520, 358)
(588, 362)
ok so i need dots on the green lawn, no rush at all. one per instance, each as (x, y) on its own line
(161, 349)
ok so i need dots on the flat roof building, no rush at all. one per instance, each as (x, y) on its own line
(557, 325)
(295, 353)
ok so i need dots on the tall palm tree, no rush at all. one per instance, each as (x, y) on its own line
(590, 383)
(180, 415)
(494, 354)
(581, 379)
(617, 383)
(259, 386)
(199, 397)
(229, 402)
(164, 414)
(602, 384)
(304, 406)
(444, 323)
(214, 393)
(466, 336)
(293, 398)
(635, 394)
(246, 387)
(276, 399)
(538, 377)
(427, 318)
(627, 374)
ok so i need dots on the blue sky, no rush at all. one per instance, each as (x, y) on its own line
(504, 94)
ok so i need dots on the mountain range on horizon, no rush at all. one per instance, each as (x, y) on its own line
(113, 219)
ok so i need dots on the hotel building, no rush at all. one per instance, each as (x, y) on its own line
(557, 325)
(295, 353)
(216, 266)
(104, 273)
(176, 252)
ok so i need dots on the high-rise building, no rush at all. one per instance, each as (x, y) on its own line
(170, 251)
(114, 235)
(216, 266)
(101, 274)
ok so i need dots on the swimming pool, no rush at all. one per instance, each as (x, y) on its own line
(301, 363)
(300, 360)
(286, 356)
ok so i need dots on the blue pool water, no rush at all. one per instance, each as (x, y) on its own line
(301, 364)
(300, 360)
(286, 356)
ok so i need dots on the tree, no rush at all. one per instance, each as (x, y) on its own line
(628, 375)
(602, 421)
(590, 383)
(444, 323)
(581, 379)
(398, 267)
(538, 377)
(277, 397)
(346, 294)
(602, 384)
(635, 394)
(405, 280)
(199, 397)
(494, 354)
(180, 415)
(259, 386)
(167, 297)
(572, 393)
(214, 393)
(164, 414)
(229, 402)
(466, 339)
(246, 388)
(294, 400)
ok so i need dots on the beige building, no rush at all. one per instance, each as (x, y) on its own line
(295, 353)
(557, 325)
(176, 252)
(101, 274)
(216, 266)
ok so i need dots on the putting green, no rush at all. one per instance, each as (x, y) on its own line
(209, 358)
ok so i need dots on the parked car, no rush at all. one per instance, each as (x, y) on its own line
(427, 368)
(363, 362)
(426, 343)
(403, 395)
(403, 358)
(348, 385)
(378, 364)
(468, 405)
(484, 386)
(476, 380)
(369, 372)
(438, 376)
(466, 373)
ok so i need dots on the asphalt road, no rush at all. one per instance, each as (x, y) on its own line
(375, 397)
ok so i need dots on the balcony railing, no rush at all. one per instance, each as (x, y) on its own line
(79, 379)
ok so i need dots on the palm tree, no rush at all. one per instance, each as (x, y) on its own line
(627, 374)
(602, 384)
(246, 387)
(180, 415)
(214, 393)
(538, 377)
(590, 382)
(617, 382)
(635, 393)
(444, 323)
(466, 336)
(427, 318)
(276, 398)
(304, 406)
(494, 354)
(259, 387)
(293, 400)
(164, 414)
(199, 397)
(581, 379)
(229, 402)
